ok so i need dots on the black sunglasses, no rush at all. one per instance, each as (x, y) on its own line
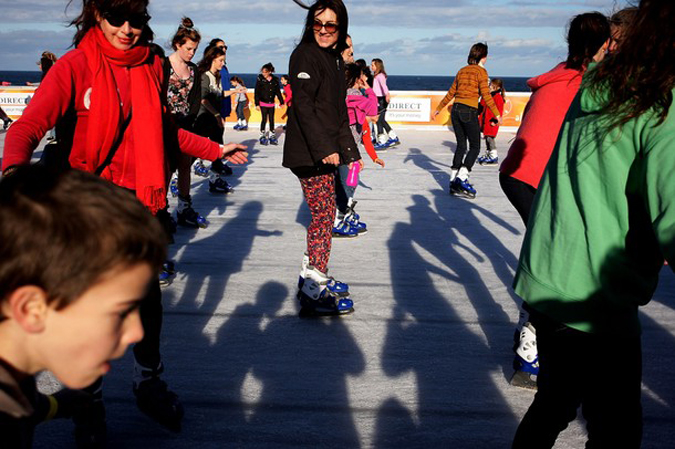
(118, 18)
(330, 27)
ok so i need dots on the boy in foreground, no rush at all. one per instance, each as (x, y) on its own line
(76, 257)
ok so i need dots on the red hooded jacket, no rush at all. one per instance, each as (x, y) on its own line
(552, 94)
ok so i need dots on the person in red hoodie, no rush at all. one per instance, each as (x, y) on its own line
(552, 94)
(107, 99)
(521, 171)
(489, 125)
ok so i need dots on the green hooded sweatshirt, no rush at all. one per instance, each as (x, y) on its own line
(602, 221)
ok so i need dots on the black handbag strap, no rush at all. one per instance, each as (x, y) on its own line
(115, 146)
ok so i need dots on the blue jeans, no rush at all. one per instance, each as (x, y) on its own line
(240, 110)
(465, 123)
(342, 191)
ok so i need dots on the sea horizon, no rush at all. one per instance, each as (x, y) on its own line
(394, 82)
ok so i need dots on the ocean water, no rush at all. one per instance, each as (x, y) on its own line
(394, 82)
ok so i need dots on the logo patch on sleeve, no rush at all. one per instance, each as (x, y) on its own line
(304, 76)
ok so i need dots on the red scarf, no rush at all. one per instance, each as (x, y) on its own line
(105, 114)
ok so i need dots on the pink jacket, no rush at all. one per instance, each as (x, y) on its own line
(552, 94)
(361, 106)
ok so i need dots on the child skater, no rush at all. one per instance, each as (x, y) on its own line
(386, 137)
(242, 101)
(488, 126)
(267, 87)
(77, 255)
(361, 104)
(288, 94)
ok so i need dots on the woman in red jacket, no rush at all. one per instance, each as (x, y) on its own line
(107, 99)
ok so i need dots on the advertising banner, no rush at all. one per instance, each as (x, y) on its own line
(407, 109)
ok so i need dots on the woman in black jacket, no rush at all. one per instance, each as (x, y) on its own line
(318, 139)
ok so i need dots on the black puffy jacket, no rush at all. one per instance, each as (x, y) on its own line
(318, 125)
(265, 91)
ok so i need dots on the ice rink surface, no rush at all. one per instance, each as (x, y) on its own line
(423, 362)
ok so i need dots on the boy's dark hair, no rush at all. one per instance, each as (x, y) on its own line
(64, 231)
(478, 51)
(352, 74)
(340, 11)
(284, 77)
(587, 32)
(186, 30)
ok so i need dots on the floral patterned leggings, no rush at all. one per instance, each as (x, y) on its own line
(319, 193)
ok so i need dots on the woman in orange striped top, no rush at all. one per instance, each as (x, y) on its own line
(470, 84)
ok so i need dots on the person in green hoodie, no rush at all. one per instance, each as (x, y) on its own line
(602, 222)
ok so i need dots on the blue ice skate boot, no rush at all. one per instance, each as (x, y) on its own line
(220, 186)
(344, 230)
(526, 362)
(274, 140)
(200, 169)
(393, 142)
(243, 128)
(237, 127)
(353, 218)
(187, 216)
(264, 140)
(309, 272)
(487, 160)
(462, 188)
(317, 300)
(381, 146)
(173, 187)
(221, 168)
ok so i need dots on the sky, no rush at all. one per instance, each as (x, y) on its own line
(423, 37)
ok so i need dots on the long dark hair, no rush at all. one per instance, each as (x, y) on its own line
(205, 64)
(587, 32)
(90, 8)
(186, 30)
(352, 74)
(640, 75)
(340, 11)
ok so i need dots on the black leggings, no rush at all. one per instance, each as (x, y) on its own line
(521, 195)
(382, 125)
(266, 113)
(465, 124)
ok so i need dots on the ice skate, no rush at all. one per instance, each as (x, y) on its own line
(263, 139)
(154, 398)
(187, 216)
(173, 187)
(317, 300)
(274, 140)
(219, 185)
(488, 160)
(462, 188)
(526, 362)
(309, 272)
(344, 230)
(353, 218)
(200, 169)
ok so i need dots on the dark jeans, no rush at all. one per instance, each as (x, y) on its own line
(342, 191)
(601, 373)
(465, 123)
(382, 125)
(207, 126)
(520, 194)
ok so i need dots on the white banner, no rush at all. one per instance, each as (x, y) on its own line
(409, 109)
(13, 103)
